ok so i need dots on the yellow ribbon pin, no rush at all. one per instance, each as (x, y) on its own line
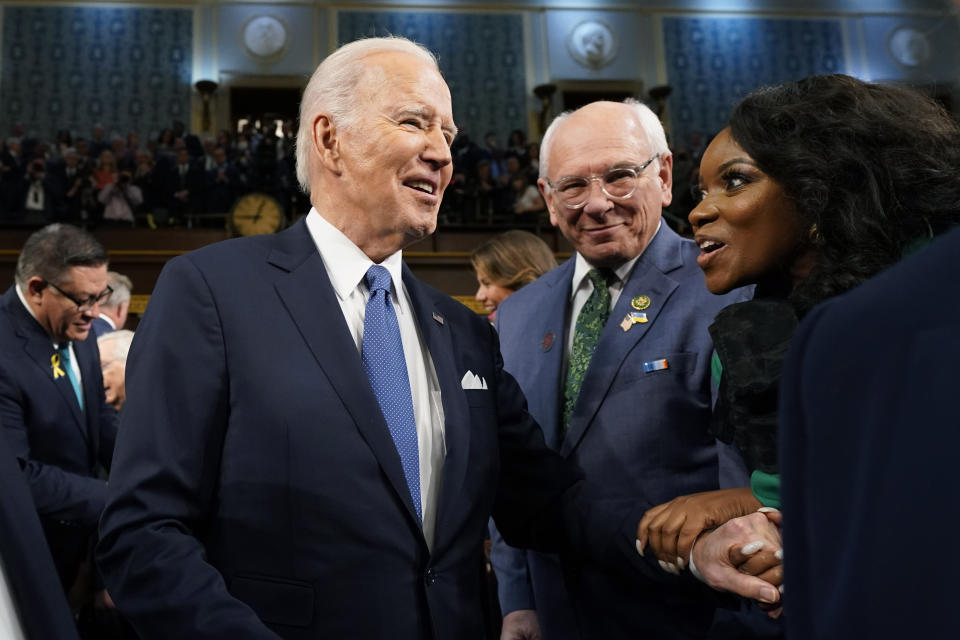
(55, 365)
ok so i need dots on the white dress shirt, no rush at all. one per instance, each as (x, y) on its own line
(347, 265)
(581, 287)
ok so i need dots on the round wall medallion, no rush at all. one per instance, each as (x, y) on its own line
(592, 44)
(909, 47)
(264, 36)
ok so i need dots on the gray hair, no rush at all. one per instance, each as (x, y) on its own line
(54, 249)
(121, 340)
(122, 286)
(646, 118)
(333, 88)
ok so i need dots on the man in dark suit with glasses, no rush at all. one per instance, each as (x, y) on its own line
(52, 405)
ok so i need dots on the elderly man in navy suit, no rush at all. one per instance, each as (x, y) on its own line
(52, 403)
(313, 439)
(612, 352)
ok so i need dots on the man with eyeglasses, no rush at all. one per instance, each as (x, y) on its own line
(612, 352)
(52, 404)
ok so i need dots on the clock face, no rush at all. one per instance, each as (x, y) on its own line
(256, 213)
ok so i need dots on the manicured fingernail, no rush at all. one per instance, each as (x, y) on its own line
(663, 565)
(768, 510)
(751, 547)
(781, 589)
(640, 548)
(778, 554)
(768, 595)
(681, 563)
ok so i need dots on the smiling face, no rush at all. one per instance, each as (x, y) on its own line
(490, 294)
(392, 166)
(591, 141)
(59, 315)
(747, 229)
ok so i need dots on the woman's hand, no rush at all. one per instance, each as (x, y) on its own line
(671, 528)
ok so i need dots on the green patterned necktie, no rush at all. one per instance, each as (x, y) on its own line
(593, 316)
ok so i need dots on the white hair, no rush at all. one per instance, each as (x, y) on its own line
(649, 123)
(333, 89)
(122, 286)
(120, 344)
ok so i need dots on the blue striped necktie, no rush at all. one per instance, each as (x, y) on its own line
(386, 367)
(64, 352)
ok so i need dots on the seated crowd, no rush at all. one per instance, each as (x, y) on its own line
(172, 179)
(177, 177)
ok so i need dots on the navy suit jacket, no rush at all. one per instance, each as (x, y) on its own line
(99, 326)
(256, 490)
(58, 445)
(639, 434)
(868, 457)
(28, 568)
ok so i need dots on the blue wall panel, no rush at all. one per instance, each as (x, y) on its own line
(481, 57)
(70, 67)
(713, 62)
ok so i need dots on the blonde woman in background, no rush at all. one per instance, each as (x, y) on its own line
(507, 262)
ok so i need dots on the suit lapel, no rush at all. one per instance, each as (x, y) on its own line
(310, 300)
(87, 359)
(39, 347)
(456, 434)
(549, 337)
(648, 278)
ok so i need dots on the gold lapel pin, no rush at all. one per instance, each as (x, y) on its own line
(640, 302)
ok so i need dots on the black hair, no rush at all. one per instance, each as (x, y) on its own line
(872, 170)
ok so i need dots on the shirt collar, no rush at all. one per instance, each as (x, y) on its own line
(346, 263)
(582, 267)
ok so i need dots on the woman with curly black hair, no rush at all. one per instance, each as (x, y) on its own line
(814, 187)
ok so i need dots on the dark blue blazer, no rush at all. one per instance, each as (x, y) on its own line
(256, 490)
(643, 435)
(99, 326)
(868, 455)
(28, 567)
(58, 445)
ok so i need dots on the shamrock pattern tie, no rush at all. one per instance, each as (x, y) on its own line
(593, 316)
(386, 367)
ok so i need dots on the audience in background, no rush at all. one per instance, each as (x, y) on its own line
(179, 176)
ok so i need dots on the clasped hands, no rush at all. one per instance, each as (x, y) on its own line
(733, 543)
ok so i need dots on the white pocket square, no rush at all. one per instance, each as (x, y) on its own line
(472, 381)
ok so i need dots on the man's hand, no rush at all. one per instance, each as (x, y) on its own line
(114, 376)
(521, 624)
(671, 528)
(731, 557)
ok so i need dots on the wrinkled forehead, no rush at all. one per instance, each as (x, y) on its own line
(406, 78)
(597, 139)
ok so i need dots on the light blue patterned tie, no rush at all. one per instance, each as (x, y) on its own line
(387, 369)
(64, 352)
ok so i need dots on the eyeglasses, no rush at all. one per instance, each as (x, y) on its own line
(618, 183)
(88, 303)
